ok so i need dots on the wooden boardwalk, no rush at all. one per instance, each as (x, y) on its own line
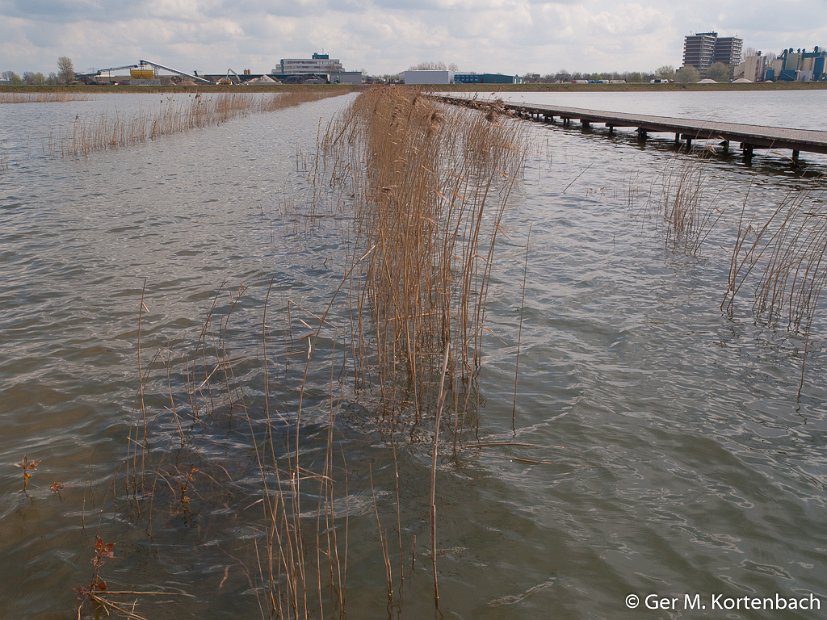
(750, 137)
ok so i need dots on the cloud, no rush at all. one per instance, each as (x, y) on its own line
(387, 36)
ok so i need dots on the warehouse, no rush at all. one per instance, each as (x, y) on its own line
(427, 76)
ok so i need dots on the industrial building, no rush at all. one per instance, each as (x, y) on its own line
(791, 65)
(484, 78)
(798, 66)
(427, 76)
(319, 68)
(703, 49)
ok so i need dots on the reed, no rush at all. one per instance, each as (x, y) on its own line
(784, 256)
(187, 404)
(173, 115)
(688, 212)
(430, 185)
(679, 201)
(44, 97)
(784, 261)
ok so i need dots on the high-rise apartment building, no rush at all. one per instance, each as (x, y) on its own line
(705, 48)
(699, 50)
(728, 50)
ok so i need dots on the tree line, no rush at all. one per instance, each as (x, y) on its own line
(65, 74)
(684, 75)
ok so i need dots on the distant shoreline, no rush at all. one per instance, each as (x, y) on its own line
(344, 88)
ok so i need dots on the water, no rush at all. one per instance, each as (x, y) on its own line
(659, 446)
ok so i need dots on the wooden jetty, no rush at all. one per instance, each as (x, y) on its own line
(750, 137)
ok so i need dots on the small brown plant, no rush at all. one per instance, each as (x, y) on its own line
(185, 498)
(90, 594)
(28, 467)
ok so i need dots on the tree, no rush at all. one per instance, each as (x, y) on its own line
(65, 70)
(687, 75)
(429, 66)
(35, 79)
(666, 72)
(718, 72)
(12, 77)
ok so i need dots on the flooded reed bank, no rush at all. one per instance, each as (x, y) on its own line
(369, 355)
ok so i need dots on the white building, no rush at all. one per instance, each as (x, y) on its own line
(427, 76)
(319, 63)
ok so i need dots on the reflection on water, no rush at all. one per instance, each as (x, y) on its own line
(659, 445)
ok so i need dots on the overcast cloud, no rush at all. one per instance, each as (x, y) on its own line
(388, 36)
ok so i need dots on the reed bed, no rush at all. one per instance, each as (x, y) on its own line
(41, 97)
(430, 185)
(173, 115)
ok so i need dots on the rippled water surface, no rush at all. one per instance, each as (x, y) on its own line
(658, 446)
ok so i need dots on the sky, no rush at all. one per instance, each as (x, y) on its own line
(389, 36)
